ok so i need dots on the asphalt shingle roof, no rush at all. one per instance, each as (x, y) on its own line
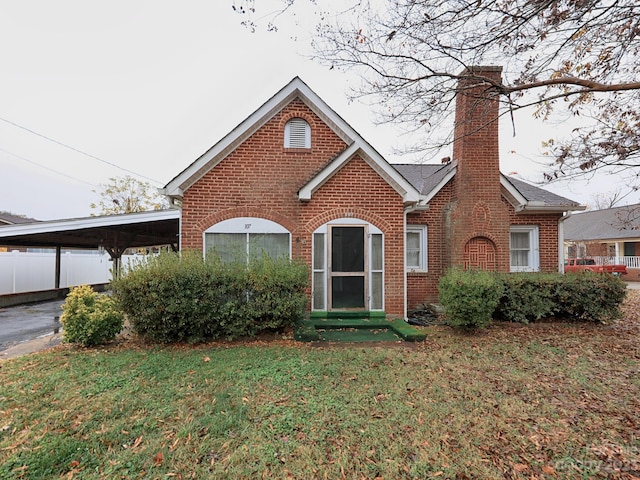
(11, 219)
(425, 177)
(537, 194)
(606, 224)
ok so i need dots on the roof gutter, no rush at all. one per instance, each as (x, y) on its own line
(532, 207)
(561, 221)
(416, 207)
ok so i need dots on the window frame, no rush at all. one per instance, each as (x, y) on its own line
(247, 226)
(533, 256)
(423, 265)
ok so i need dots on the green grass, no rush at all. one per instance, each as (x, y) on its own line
(512, 402)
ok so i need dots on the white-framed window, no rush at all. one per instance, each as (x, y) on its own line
(242, 237)
(525, 253)
(297, 134)
(416, 248)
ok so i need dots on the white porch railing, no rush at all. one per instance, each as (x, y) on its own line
(630, 262)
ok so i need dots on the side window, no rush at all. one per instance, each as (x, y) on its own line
(416, 248)
(297, 134)
(524, 252)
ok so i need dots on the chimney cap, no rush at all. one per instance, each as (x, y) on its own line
(480, 69)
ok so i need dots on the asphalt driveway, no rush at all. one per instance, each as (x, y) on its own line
(23, 323)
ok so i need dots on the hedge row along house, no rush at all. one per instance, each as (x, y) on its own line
(295, 179)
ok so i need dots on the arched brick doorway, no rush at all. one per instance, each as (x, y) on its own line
(480, 253)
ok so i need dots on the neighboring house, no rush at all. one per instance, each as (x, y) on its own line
(7, 218)
(295, 179)
(611, 235)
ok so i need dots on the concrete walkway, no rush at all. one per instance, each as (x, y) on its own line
(31, 346)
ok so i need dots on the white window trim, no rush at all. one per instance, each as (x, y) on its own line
(324, 229)
(287, 133)
(377, 270)
(423, 264)
(246, 225)
(534, 248)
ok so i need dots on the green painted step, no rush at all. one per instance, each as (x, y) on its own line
(358, 335)
(355, 327)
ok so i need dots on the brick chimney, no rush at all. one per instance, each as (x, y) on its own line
(478, 220)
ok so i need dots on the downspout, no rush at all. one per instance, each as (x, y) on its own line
(404, 262)
(561, 241)
(407, 210)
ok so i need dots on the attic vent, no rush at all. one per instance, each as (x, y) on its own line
(297, 134)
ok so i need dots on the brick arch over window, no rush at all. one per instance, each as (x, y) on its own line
(360, 214)
(220, 216)
(297, 113)
(480, 253)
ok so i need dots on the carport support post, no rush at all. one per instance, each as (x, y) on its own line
(57, 274)
(116, 256)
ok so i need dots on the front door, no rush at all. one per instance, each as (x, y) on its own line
(348, 268)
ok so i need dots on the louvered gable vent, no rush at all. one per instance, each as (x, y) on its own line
(297, 134)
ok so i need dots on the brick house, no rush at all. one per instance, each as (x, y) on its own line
(295, 179)
(610, 236)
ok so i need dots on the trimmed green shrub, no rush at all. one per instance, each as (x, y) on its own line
(585, 296)
(528, 297)
(89, 318)
(469, 297)
(590, 296)
(181, 297)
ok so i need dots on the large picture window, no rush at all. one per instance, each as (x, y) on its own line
(525, 255)
(241, 238)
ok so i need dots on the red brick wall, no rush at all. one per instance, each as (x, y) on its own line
(423, 287)
(261, 178)
(597, 249)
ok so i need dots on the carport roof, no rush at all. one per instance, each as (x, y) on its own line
(142, 229)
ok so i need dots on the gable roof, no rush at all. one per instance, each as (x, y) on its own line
(607, 224)
(294, 89)
(428, 179)
(410, 195)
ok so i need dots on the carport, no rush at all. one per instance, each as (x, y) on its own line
(114, 233)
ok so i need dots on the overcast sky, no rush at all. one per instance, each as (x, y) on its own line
(93, 90)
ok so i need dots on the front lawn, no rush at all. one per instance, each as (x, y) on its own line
(515, 401)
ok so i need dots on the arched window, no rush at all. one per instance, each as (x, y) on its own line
(297, 134)
(245, 236)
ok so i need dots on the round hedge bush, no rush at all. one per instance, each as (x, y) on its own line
(90, 319)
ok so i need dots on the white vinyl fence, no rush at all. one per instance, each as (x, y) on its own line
(31, 272)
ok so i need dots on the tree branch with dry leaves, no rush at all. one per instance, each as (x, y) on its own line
(559, 56)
